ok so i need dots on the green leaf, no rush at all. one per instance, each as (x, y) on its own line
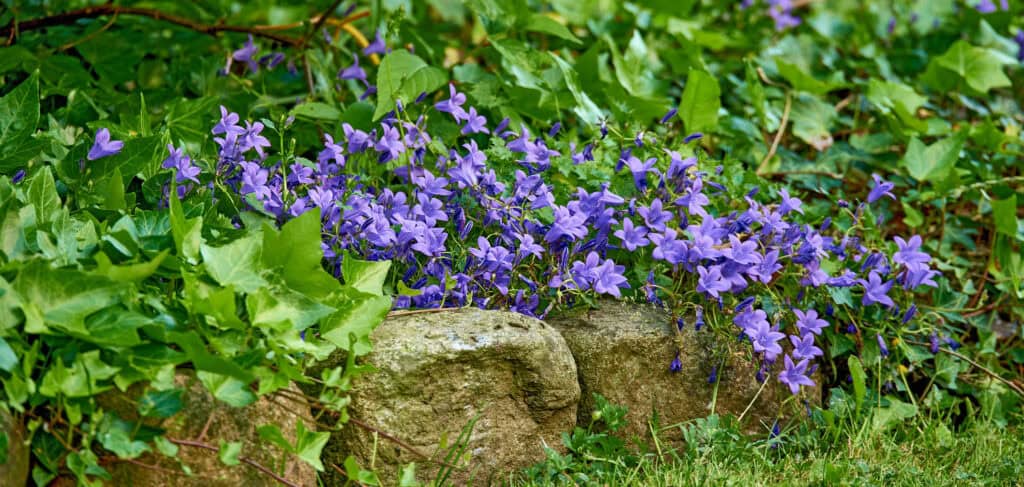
(1004, 212)
(62, 298)
(585, 108)
(295, 252)
(403, 76)
(358, 314)
(8, 360)
(19, 116)
(309, 445)
(228, 389)
(316, 110)
(857, 373)
(934, 162)
(161, 404)
(802, 80)
(980, 67)
(272, 433)
(229, 452)
(203, 360)
(812, 120)
(284, 309)
(187, 232)
(119, 441)
(129, 272)
(236, 264)
(544, 24)
(897, 412)
(42, 194)
(700, 103)
(365, 276)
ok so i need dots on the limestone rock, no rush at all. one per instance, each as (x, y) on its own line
(225, 423)
(14, 472)
(623, 351)
(436, 372)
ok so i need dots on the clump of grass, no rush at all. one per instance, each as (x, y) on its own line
(924, 450)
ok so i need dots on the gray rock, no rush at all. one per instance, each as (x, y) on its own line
(205, 416)
(14, 472)
(436, 372)
(623, 351)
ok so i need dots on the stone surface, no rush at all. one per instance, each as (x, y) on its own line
(623, 351)
(225, 422)
(14, 472)
(439, 370)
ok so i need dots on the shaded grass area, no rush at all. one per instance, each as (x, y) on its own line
(924, 453)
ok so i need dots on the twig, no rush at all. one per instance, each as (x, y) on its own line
(320, 22)
(778, 136)
(248, 461)
(92, 35)
(70, 17)
(206, 427)
(1012, 385)
(399, 442)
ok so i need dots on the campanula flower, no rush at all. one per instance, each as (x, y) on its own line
(103, 146)
(795, 375)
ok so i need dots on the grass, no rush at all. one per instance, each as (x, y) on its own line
(921, 451)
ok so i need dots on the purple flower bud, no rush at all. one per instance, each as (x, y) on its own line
(18, 176)
(604, 128)
(554, 129)
(671, 113)
(713, 377)
(680, 323)
(676, 365)
(881, 345)
(692, 137)
(744, 304)
(699, 321)
(911, 311)
(934, 344)
(502, 126)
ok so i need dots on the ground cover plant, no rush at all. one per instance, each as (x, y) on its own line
(240, 189)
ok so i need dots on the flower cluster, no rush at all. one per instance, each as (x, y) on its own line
(781, 12)
(460, 235)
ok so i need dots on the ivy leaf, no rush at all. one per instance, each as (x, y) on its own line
(62, 298)
(42, 194)
(229, 452)
(19, 116)
(228, 389)
(161, 404)
(358, 314)
(980, 67)
(309, 445)
(236, 264)
(365, 276)
(934, 162)
(7, 357)
(295, 252)
(403, 76)
(700, 103)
